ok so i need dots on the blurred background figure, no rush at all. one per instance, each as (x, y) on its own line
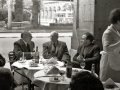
(2, 61)
(110, 60)
(56, 48)
(84, 80)
(87, 52)
(25, 44)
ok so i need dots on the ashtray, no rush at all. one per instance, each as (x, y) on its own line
(54, 79)
(110, 86)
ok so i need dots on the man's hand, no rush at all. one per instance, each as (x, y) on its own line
(80, 58)
(64, 63)
(32, 54)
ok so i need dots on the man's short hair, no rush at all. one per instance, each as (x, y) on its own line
(84, 80)
(25, 33)
(89, 36)
(114, 16)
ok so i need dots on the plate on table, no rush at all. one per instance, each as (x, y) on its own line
(33, 64)
(41, 73)
(21, 61)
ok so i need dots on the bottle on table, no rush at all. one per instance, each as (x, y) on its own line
(93, 69)
(69, 69)
(23, 56)
(37, 55)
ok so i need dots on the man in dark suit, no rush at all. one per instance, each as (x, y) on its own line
(7, 81)
(88, 52)
(24, 45)
(56, 48)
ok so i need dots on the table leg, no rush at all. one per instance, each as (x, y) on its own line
(30, 86)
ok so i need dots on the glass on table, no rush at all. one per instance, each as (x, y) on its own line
(22, 60)
(82, 64)
(46, 68)
(62, 73)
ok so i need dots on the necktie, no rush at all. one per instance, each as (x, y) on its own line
(54, 47)
(28, 47)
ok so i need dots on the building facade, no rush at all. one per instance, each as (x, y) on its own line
(58, 12)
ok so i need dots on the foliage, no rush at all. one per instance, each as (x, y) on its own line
(27, 4)
(26, 15)
(4, 15)
(3, 2)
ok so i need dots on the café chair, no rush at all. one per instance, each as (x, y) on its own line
(18, 75)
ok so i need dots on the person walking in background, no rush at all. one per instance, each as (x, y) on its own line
(110, 60)
(24, 45)
(56, 48)
(84, 80)
(87, 52)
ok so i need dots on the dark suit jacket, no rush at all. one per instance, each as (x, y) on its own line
(19, 47)
(61, 53)
(6, 79)
(92, 56)
(2, 61)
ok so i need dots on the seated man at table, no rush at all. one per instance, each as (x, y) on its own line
(24, 45)
(7, 81)
(56, 48)
(84, 80)
(87, 52)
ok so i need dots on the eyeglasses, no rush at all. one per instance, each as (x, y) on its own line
(30, 36)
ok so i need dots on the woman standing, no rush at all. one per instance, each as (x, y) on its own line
(110, 60)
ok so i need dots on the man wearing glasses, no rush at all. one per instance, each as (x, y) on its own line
(24, 45)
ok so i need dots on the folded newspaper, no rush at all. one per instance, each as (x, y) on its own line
(53, 70)
(53, 61)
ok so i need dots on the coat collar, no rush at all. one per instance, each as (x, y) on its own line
(57, 46)
(115, 31)
(23, 45)
(89, 48)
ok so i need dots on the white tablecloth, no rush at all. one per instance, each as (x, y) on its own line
(43, 81)
(29, 71)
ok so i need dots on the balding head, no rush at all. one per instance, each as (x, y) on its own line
(54, 36)
(26, 33)
(26, 36)
(54, 33)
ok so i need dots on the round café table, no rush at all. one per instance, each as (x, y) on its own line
(44, 83)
